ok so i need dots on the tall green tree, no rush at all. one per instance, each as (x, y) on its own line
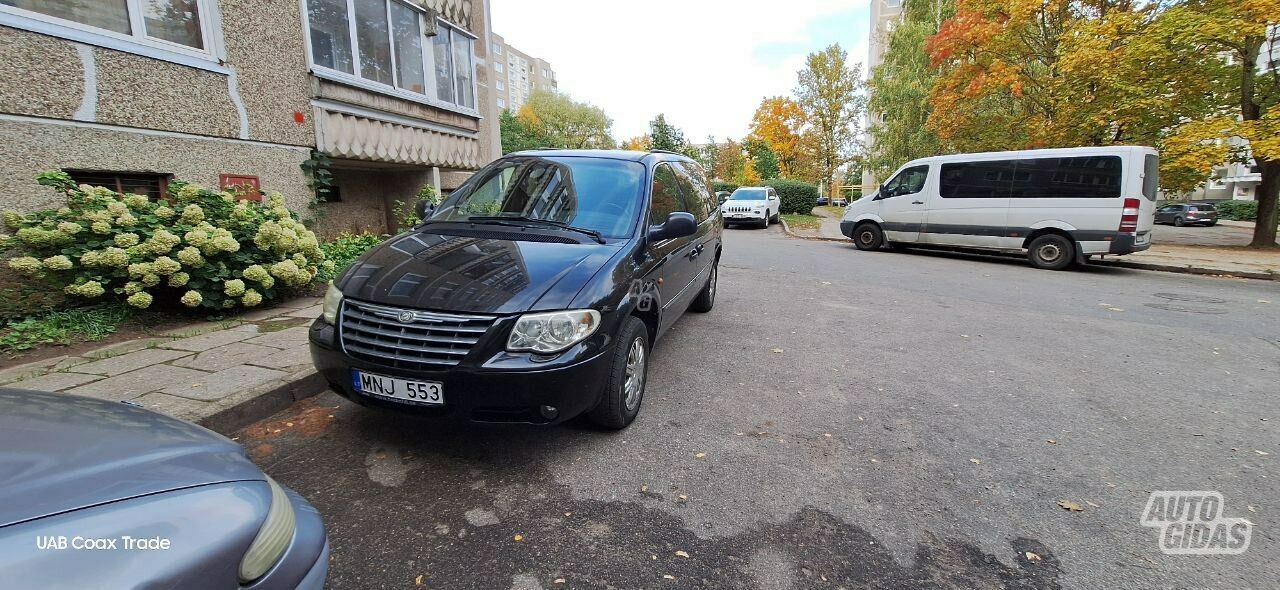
(898, 100)
(516, 136)
(566, 123)
(763, 159)
(829, 93)
(665, 136)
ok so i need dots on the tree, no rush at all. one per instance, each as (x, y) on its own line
(780, 122)
(665, 136)
(762, 159)
(828, 93)
(639, 143)
(565, 123)
(517, 136)
(898, 101)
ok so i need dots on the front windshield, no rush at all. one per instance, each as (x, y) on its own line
(748, 195)
(599, 194)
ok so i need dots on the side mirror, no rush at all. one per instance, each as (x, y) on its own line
(678, 225)
(423, 208)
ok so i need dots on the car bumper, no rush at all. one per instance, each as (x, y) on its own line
(744, 217)
(846, 228)
(571, 382)
(305, 564)
(1123, 244)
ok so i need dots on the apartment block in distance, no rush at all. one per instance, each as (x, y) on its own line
(131, 94)
(516, 75)
(884, 15)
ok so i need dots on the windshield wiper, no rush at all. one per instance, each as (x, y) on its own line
(506, 219)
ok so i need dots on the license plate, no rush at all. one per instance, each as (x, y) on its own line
(420, 392)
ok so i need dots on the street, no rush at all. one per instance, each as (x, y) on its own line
(841, 419)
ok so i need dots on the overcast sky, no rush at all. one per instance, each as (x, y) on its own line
(705, 63)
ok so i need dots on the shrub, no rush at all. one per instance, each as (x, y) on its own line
(796, 196)
(199, 247)
(1238, 210)
(721, 185)
(345, 249)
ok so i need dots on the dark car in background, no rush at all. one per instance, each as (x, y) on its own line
(532, 294)
(1188, 213)
(101, 494)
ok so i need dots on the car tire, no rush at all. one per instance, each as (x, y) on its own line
(706, 298)
(1178, 222)
(764, 223)
(1211, 224)
(1051, 252)
(617, 407)
(776, 215)
(868, 237)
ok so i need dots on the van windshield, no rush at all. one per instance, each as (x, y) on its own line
(599, 194)
(749, 195)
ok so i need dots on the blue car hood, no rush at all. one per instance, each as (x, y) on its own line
(61, 452)
(425, 269)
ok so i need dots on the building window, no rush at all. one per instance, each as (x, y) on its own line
(502, 104)
(165, 25)
(497, 49)
(384, 42)
(152, 185)
(498, 67)
(500, 85)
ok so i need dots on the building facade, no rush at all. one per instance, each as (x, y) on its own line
(132, 94)
(516, 75)
(884, 14)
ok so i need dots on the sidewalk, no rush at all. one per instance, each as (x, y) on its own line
(219, 374)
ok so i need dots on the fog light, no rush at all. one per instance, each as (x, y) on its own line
(549, 412)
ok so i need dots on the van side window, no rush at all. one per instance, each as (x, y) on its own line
(1085, 177)
(976, 180)
(666, 197)
(696, 192)
(907, 182)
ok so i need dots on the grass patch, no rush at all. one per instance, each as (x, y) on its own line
(795, 221)
(63, 327)
(830, 211)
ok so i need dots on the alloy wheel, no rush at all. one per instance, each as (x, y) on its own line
(633, 385)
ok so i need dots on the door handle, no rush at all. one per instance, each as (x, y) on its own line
(917, 202)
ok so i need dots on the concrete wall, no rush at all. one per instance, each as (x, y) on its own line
(368, 197)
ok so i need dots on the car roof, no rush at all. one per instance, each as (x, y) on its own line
(631, 156)
(1036, 153)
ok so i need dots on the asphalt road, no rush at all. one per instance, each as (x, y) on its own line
(842, 419)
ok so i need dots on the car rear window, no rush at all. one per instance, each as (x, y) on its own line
(1151, 177)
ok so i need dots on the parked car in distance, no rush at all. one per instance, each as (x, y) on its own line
(533, 294)
(1056, 206)
(1183, 214)
(757, 205)
(823, 200)
(101, 494)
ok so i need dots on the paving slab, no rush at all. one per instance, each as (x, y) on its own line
(258, 315)
(132, 361)
(308, 312)
(29, 370)
(136, 383)
(172, 405)
(284, 359)
(58, 381)
(121, 348)
(286, 338)
(209, 341)
(225, 357)
(215, 386)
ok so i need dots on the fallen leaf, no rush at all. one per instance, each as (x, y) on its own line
(682, 554)
(1263, 453)
(975, 461)
(1263, 301)
(289, 424)
(518, 538)
(739, 433)
(1032, 556)
(777, 350)
(1051, 441)
(644, 488)
(418, 580)
(684, 498)
(568, 514)
(1092, 504)
(828, 435)
(668, 577)
(1252, 509)
(559, 580)
(1070, 506)
(1114, 309)
(700, 455)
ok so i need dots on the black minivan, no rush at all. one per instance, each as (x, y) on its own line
(533, 293)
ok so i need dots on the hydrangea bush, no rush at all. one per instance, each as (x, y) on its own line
(199, 247)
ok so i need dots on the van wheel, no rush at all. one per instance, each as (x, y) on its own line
(1051, 252)
(706, 299)
(868, 237)
(620, 403)
(1178, 222)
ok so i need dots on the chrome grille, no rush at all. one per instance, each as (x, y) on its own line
(409, 338)
(736, 209)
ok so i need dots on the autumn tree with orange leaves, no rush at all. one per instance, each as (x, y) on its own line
(779, 123)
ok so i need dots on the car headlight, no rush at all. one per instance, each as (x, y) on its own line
(332, 301)
(273, 538)
(548, 333)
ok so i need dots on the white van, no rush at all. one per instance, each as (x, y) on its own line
(1056, 205)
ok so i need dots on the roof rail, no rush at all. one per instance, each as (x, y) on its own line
(665, 152)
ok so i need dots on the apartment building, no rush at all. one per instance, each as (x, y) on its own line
(134, 93)
(884, 14)
(517, 74)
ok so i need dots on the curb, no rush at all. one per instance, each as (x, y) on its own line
(275, 397)
(1194, 270)
(787, 230)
